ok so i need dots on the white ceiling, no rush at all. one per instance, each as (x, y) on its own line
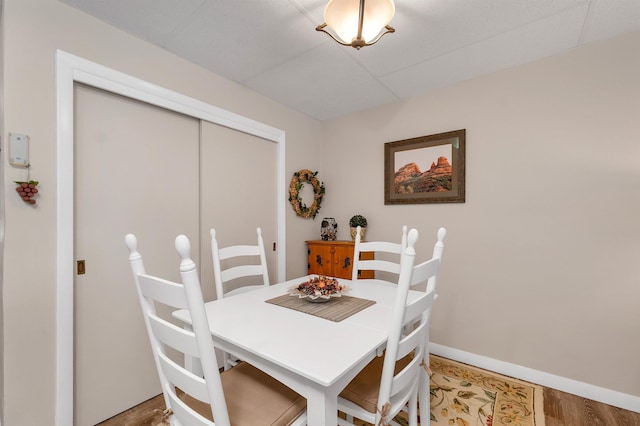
(271, 46)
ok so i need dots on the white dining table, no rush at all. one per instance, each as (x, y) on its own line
(313, 356)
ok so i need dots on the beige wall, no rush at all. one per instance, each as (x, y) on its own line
(34, 29)
(541, 263)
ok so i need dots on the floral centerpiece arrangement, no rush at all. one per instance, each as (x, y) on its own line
(320, 287)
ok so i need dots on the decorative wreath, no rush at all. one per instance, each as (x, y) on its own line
(298, 179)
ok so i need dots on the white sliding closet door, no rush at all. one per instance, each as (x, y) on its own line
(238, 183)
(137, 171)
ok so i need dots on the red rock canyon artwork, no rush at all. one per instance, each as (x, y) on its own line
(427, 169)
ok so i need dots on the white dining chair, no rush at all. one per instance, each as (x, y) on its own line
(421, 278)
(389, 383)
(238, 268)
(242, 396)
(386, 257)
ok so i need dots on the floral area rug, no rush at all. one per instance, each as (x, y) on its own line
(462, 395)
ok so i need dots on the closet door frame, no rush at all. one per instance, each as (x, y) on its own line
(72, 69)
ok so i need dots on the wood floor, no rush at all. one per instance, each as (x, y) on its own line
(564, 409)
(146, 414)
(560, 409)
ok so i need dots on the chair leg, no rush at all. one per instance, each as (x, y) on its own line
(413, 410)
(424, 399)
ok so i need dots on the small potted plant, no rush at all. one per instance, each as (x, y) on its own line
(354, 222)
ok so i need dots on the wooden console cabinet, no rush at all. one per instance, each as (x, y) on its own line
(334, 259)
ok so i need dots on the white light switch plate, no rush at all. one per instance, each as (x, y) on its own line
(18, 149)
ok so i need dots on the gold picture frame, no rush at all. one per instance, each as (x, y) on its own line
(426, 169)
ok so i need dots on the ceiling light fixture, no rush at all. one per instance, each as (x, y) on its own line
(357, 23)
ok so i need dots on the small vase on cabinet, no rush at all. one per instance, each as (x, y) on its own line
(328, 229)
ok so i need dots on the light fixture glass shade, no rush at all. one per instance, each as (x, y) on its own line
(342, 16)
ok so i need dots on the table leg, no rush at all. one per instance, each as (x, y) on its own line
(190, 363)
(322, 408)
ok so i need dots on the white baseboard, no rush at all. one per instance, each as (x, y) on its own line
(585, 390)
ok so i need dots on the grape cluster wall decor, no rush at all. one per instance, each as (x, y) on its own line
(27, 189)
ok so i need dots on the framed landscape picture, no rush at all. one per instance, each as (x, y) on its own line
(426, 169)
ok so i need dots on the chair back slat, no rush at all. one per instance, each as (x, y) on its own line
(425, 271)
(184, 380)
(163, 291)
(241, 271)
(385, 246)
(411, 341)
(415, 309)
(173, 336)
(238, 251)
(406, 378)
(187, 415)
(379, 248)
(378, 265)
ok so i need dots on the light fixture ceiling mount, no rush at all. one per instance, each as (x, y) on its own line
(357, 23)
